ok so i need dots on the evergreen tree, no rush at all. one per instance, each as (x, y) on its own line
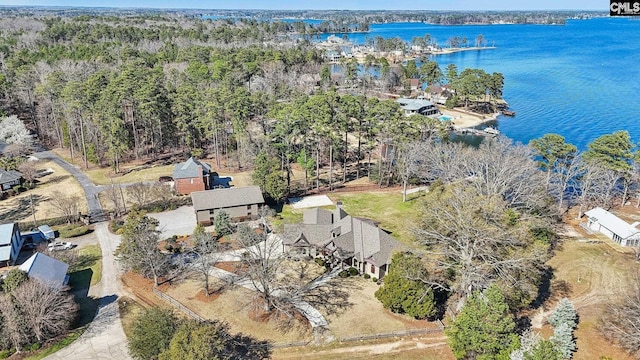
(403, 292)
(563, 339)
(151, 333)
(543, 350)
(222, 223)
(564, 313)
(484, 329)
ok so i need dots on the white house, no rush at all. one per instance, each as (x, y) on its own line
(613, 227)
(10, 243)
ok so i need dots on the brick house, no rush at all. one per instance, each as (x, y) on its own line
(191, 175)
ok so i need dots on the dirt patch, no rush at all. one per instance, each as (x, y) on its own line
(230, 266)
(203, 297)
(142, 288)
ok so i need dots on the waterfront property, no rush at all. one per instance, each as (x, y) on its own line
(417, 106)
(10, 243)
(46, 270)
(343, 240)
(191, 175)
(241, 203)
(613, 227)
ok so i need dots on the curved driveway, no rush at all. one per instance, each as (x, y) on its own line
(104, 339)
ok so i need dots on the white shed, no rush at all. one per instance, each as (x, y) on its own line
(613, 227)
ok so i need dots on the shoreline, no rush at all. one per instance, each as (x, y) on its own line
(463, 119)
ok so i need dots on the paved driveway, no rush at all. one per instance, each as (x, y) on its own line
(104, 339)
(181, 221)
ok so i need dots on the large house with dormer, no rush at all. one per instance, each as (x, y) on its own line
(343, 240)
(191, 175)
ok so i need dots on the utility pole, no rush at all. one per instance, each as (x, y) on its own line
(33, 211)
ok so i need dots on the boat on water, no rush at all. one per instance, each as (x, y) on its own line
(508, 112)
(492, 131)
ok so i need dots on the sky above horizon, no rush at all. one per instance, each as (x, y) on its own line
(330, 4)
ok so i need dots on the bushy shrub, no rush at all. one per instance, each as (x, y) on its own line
(343, 274)
(6, 353)
(375, 279)
(367, 276)
(320, 261)
(353, 271)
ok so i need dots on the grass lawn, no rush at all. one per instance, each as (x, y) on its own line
(385, 206)
(88, 270)
(18, 208)
(129, 310)
(102, 176)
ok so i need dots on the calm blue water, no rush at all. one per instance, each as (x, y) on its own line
(581, 80)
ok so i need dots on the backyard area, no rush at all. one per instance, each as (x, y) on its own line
(591, 273)
(383, 206)
(18, 208)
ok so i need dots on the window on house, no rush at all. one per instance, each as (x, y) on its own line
(373, 268)
(192, 180)
(248, 207)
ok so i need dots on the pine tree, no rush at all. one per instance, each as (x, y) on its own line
(222, 223)
(563, 339)
(565, 313)
(485, 328)
(543, 350)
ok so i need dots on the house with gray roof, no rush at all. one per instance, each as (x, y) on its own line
(10, 243)
(241, 203)
(46, 270)
(343, 240)
(9, 179)
(191, 175)
(613, 227)
(417, 106)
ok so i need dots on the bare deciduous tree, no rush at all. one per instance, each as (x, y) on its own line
(470, 235)
(65, 205)
(28, 170)
(140, 192)
(47, 310)
(205, 249)
(621, 321)
(114, 195)
(139, 250)
(284, 288)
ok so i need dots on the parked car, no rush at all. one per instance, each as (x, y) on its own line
(60, 245)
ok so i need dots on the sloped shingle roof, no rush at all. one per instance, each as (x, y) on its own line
(9, 175)
(189, 169)
(226, 198)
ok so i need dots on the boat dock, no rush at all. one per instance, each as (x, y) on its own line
(471, 131)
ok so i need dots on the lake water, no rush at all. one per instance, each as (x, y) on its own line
(580, 80)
